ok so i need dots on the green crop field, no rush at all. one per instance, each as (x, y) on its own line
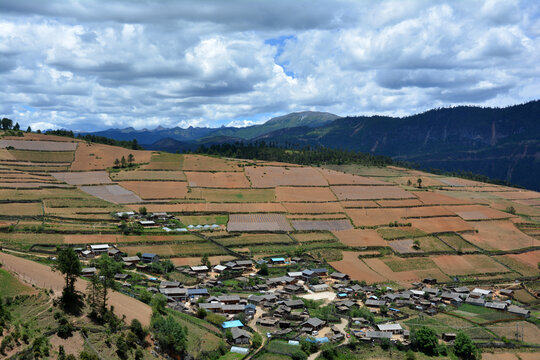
(43, 156)
(10, 286)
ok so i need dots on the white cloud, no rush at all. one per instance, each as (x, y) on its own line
(93, 65)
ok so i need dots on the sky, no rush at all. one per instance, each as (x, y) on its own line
(93, 65)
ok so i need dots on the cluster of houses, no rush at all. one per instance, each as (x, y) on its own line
(162, 219)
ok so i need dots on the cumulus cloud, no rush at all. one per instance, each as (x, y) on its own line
(97, 64)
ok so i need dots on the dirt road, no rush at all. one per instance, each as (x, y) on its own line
(44, 277)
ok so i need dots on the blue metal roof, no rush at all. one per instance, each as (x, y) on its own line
(231, 324)
(278, 259)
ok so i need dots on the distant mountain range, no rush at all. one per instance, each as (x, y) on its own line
(502, 143)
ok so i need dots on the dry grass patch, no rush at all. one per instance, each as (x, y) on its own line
(208, 163)
(148, 175)
(399, 203)
(440, 224)
(359, 204)
(392, 233)
(314, 236)
(356, 268)
(217, 180)
(233, 195)
(359, 237)
(375, 171)
(38, 145)
(213, 208)
(468, 264)
(436, 198)
(517, 195)
(157, 189)
(402, 277)
(478, 212)
(370, 192)
(83, 178)
(340, 178)
(308, 194)
(271, 176)
(457, 243)
(313, 208)
(499, 235)
(516, 263)
(185, 249)
(21, 209)
(531, 332)
(100, 157)
(43, 156)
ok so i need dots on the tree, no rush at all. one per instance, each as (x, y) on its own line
(116, 163)
(94, 289)
(135, 144)
(201, 313)
(70, 266)
(137, 329)
(142, 210)
(425, 340)
(170, 334)
(123, 162)
(511, 210)
(17, 127)
(419, 181)
(256, 341)
(121, 347)
(159, 301)
(263, 271)
(131, 159)
(7, 124)
(464, 347)
(28, 129)
(107, 269)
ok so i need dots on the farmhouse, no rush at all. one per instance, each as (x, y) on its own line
(239, 336)
(516, 310)
(319, 287)
(174, 293)
(131, 260)
(313, 324)
(99, 248)
(150, 258)
(496, 305)
(339, 276)
(147, 223)
(88, 272)
(219, 268)
(378, 335)
(200, 269)
(392, 328)
(277, 260)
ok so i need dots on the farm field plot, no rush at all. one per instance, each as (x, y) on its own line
(157, 189)
(468, 264)
(457, 182)
(457, 243)
(272, 176)
(345, 192)
(517, 195)
(402, 276)
(478, 212)
(307, 194)
(531, 202)
(41, 167)
(359, 204)
(38, 145)
(425, 212)
(31, 185)
(83, 178)
(436, 198)
(356, 268)
(482, 315)
(21, 209)
(217, 180)
(213, 208)
(233, 195)
(314, 236)
(499, 235)
(148, 175)
(427, 181)
(404, 246)
(11, 286)
(360, 238)
(255, 239)
(442, 323)
(399, 203)
(25, 240)
(340, 178)
(521, 263)
(42, 194)
(194, 261)
(392, 233)
(164, 161)
(37, 157)
(373, 217)
(101, 157)
(30, 164)
(430, 243)
(115, 239)
(112, 193)
(374, 171)
(6, 155)
(208, 163)
(440, 224)
(43, 137)
(313, 208)
(186, 249)
(399, 264)
(320, 225)
(316, 216)
(258, 222)
(203, 220)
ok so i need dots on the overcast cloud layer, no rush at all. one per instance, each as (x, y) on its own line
(90, 65)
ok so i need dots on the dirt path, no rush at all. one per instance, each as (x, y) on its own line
(45, 277)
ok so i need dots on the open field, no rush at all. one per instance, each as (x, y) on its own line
(430, 243)
(271, 176)
(83, 178)
(340, 178)
(525, 264)
(258, 222)
(112, 193)
(356, 268)
(359, 204)
(203, 220)
(308, 194)
(440, 224)
(392, 233)
(233, 195)
(213, 208)
(100, 157)
(360, 238)
(11, 286)
(316, 216)
(115, 238)
(21, 209)
(156, 189)
(314, 236)
(437, 198)
(255, 239)
(457, 243)
(398, 264)
(361, 170)
(198, 337)
(313, 208)
(38, 145)
(164, 161)
(517, 195)
(345, 192)
(194, 261)
(37, 157)
(404, 246)
(148, 175)
(224, 180)
(413, 180)
(180, 249)
(468, 264)
(499, 235)
(208, 163)
(478, 212)
(399, 203)
(31, 185)
(321, 225)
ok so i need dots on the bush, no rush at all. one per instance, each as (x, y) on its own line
(425, 340)
(410, 355)
(464, 347)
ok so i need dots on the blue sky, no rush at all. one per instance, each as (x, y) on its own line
(90, 65)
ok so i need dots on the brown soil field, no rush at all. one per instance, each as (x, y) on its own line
(319, 225)
(44, 277)
(157, 189)
(43, 137)
(356, 268)
(83, 178)
(228, 180)
(21, 209)
(6, 155)
(370, 192)
(214, 208)
(436, 198)
(373, 217)
(100, 157)
(313, 208)
(208, 163)
(531, 258)
(258, 222)
(529, 355)
(340, 178)
(499, 235)
(31, 158)
(149, 175)
(531, 202)
(112, 193)
(309, 194)
(426, 212)
(114, 239)
(500, 355)
(399, 203)
(360, 237)
(515, 263)
(271, 176)
(517, 195)
(402, 277)
(314, 236)
(478, 212)
(359, 204)
(38, 145)
(426, 181)
(440, 224)
(189, 249)
(194, 261)
(317, 216)
(404, 246)
(457, 182)
(232, 195)
(468, 264)
(531, 332)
